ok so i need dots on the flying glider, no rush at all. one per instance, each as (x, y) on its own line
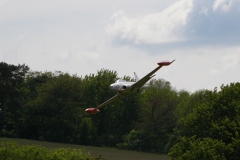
(123, 87)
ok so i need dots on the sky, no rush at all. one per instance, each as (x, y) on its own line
(83, 37)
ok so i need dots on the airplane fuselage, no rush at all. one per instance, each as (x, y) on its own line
(121, 85)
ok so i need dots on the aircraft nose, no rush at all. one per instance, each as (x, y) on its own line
(111, 86)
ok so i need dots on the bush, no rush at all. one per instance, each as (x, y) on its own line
(139, 140)
(11, 150)
(196, 148)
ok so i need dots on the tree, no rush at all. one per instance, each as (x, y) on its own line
(217, 118)
(11, 97)
(34, 80)
(187, 104)
(86, 131)
(56, 113)
(157, 106)
(193, 148)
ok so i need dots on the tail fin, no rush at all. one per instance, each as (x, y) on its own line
(136, 77)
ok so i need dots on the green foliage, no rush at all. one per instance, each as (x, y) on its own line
(158, 104)
(139, 141)
(219, 118)
(11, 98)
(86, 132)
(11, 150)
(206, 148)
(186, 106)
(55, 113)
(216, 117)
(189, 102)
(34, 80)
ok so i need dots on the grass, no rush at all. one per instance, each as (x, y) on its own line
(106, 153)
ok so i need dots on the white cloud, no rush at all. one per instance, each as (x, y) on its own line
(185, 21)
(153, 28)
(223, 5)
(232, 60)
(204, 10)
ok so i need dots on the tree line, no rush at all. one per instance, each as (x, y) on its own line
(50, 106)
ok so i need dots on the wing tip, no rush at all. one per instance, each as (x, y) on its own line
(92, 110)
(165, 63)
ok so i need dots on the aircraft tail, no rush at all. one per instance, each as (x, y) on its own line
(136, 77)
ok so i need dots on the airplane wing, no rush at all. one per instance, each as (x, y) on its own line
(114, 98)
(146, 78)
(96, 110)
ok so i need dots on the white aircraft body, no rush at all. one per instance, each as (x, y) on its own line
(123, 87)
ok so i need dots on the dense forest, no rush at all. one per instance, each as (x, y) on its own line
(50, 106)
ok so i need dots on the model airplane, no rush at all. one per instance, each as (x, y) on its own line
(123, 87)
